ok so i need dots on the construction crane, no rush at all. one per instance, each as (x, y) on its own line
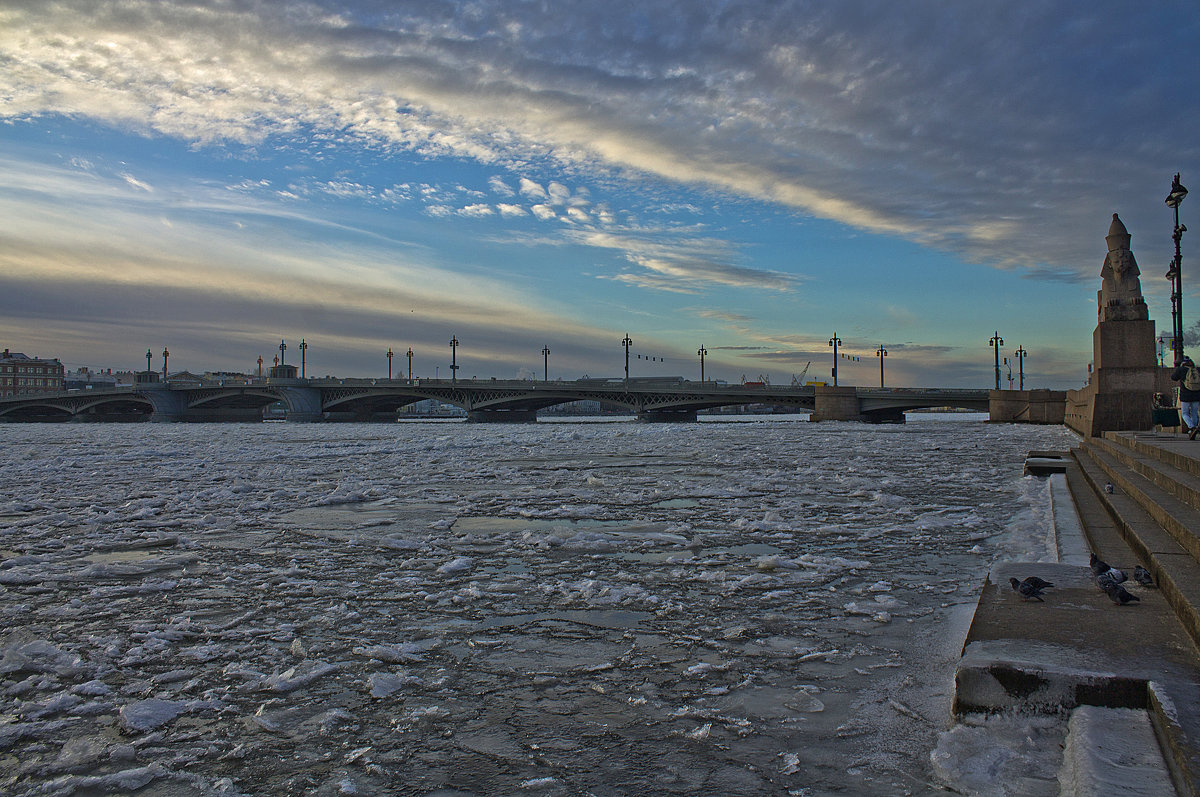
(798, 381)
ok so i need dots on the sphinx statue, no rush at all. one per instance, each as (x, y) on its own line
(1120, 297)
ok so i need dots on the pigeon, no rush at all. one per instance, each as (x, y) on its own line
(1101, 567)
(1031, 588)
(1142, 576)
(1118, 594)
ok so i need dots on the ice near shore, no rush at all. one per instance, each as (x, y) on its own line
(766, 607)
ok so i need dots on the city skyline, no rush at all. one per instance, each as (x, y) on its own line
(751, 178)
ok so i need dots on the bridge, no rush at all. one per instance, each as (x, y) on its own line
(483, 400)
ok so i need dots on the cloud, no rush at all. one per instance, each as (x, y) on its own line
(685, 265)
(136, 183)
(543, 212)
(532, 190)
(498, 186)
(477, 210)
(509, 211)
(951, 126)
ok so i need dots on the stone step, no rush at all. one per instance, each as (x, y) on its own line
(1173, 449)
(1172, 471)
(1175, 570)
(1153, 485)
(1111, 750)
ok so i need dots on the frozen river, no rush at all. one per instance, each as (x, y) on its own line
(763, 607)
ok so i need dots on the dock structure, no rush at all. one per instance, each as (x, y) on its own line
(1132, 498)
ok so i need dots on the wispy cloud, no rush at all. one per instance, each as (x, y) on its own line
(683, 264)
(938, 123)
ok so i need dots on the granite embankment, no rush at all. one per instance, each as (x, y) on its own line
(1128, 677)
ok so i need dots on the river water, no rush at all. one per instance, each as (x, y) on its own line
(762, 606)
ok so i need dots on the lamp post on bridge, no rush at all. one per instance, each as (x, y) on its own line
(881, 353)
(835, 341)
(702, 351)
(166, 354)
(303, 349)
(546, 363)
(453, 359)
(1021, 354)
(282, 349)
(260, 366)
(996, 342)
(1178, 192)
(389, 356)
(148, 356)
(410, 364)
(627, 343)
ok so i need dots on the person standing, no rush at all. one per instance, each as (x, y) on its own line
(1188, 378)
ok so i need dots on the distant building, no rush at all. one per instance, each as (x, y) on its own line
(20, 373)
(87, 379)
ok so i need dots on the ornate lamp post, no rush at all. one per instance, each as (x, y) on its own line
(389, 356)
(546, 363)
(626, 343)
(1021, 354)
(303, 349)
(881, 353)
(282, 349)
(702, 351)
(409, 363)
(260, 366)
(148, 356)
(166, 354)
(453, 359)
(996, 342)
(1178, 192)
(835, 341)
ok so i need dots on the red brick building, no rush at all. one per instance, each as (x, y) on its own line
(20, 373)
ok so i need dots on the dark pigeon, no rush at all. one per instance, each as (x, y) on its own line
(1142, 576)
(1119, 594)
(1031, 588)
(1098, 565)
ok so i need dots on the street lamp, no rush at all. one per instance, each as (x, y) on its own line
(166, 354)
(1178, 192)
(881, 353)
(282, 349)
(835, 341)
(626, 343)
(996, 342)
(702, 351)
(454, 359)
(389, 356)
(260, 366)
(409, 364)
(148, 356)
(546, 363)
(303, 349)
(1021, 354)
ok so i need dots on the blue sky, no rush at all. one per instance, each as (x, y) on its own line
(213, 177)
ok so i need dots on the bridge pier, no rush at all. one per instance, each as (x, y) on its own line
(303, 403)
(667, 416)
(502, 416)
(169, 406)
(836, 404)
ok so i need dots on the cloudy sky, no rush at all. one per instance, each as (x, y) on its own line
(219, 175)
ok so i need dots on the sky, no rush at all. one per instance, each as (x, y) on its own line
(754, 178)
